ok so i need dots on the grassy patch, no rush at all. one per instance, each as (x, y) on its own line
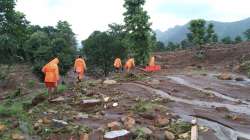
(143, 106)
(31, 83)
(10, 110)
(180, 127)
(245, 65)
(140, 135)
(13, 110)
(62, 88)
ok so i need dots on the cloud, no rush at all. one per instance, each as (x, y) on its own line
(85, 16)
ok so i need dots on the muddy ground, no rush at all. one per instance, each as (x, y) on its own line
(155, 106)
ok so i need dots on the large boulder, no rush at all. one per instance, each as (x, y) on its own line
(225, 76)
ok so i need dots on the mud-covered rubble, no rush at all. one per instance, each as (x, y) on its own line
(87, 112)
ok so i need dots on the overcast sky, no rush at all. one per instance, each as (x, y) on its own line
(85, 16)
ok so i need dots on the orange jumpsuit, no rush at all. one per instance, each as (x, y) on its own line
(118, 63)
(130, 64)
(152, 61)
(79, 67)
(51, 72)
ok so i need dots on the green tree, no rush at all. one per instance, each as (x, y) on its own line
(200, 33)
(13, 33)
(138, 30)
(101, 48)
(172, 46)
(247, 34)
(49, 42)
(211, 36)
(159, 47)
(197, 32)
(186, 44)
(237, 39)
(227, 40)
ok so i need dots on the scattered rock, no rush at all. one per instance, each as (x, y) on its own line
(221, 109)
(2, 127)
(90, 102)
(237, 68)
(121, 134)
(203, 129)
(161, 121)
(114, 125)
(239, 79)
(52, 111)
(115, 104)
(81, 116)
(184, 135)
(236, 118)
(204, 74)
(109, 82)
(174, 90)
(59, 123)
(129, 122)
(59, 99)
(106, 99)
(16, 136)
(154, 82)
(37, 125)
(225, 76)
(149, 116)
(158, 136)
(40, 121)
(146, 131)
(169, 135)
(38, 99)
(46, 120)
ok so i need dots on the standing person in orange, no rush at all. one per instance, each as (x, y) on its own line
(152, 61)
(51, 79)
(117, 64)
(130, 64)
(80, 67)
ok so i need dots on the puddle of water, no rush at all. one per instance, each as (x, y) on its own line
(186, 83)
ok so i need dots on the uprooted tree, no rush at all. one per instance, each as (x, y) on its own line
(139, 33)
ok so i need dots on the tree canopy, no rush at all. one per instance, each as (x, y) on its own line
(138, 30)
(101, 49)
(200, 33)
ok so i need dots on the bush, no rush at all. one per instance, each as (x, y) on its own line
(61, 88)
(31, 83)
(15, 109)
(245, 65)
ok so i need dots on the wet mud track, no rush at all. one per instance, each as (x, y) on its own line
(201, 96)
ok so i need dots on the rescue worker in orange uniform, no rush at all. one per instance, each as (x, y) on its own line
(80, 67)
(51, 79)
(117, 64)
(130, 64)
(152, 61)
